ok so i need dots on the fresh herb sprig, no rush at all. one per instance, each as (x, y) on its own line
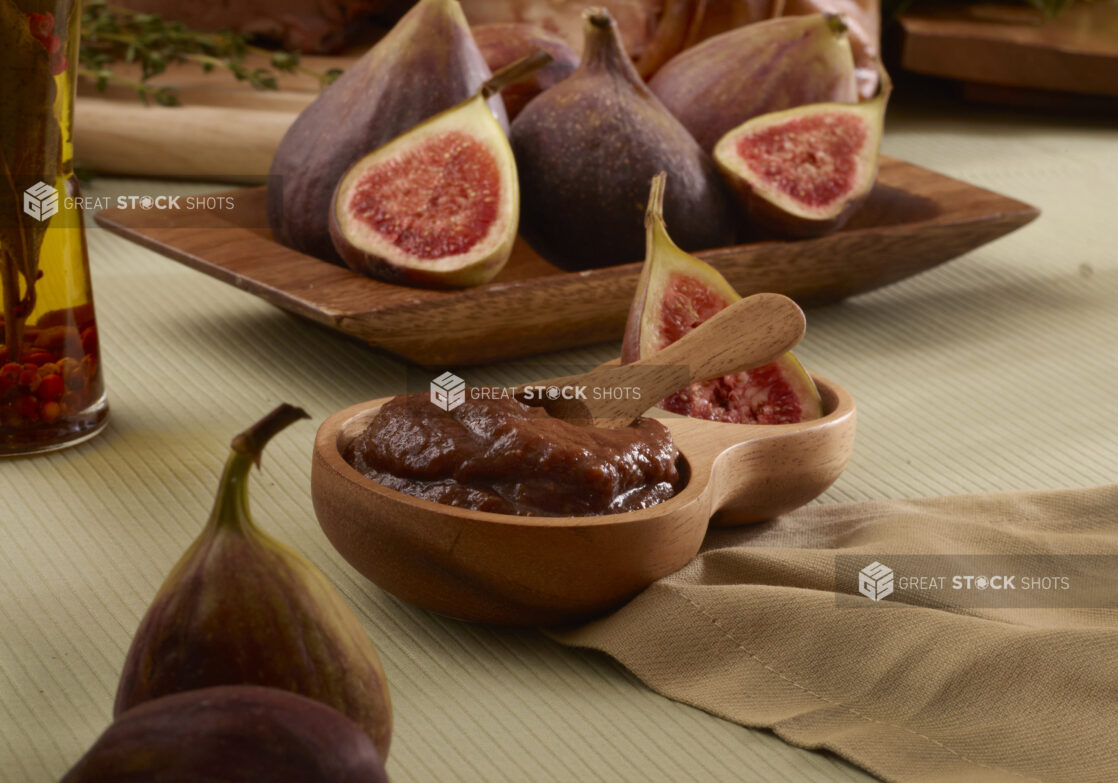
(112, 35)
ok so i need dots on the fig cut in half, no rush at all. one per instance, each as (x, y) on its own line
(438, 205)
(804, 172)
(676, 293)
(426, 63)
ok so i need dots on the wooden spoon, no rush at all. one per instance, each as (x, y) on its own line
(749, 333)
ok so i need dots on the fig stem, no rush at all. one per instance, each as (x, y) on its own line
(655, 209)
(602, 50)
(251, 442)
(230, 509)
(514, 72)
(597, 16)
(836, 23)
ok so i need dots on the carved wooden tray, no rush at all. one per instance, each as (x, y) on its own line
(914, 220)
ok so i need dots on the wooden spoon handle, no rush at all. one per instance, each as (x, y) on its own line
(749, 333)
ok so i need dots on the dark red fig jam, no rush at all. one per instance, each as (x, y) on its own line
(503, 456)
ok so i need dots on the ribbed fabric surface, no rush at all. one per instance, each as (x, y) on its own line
(992, 372)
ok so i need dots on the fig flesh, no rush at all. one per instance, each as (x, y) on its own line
(427, 63)
(676, 293)
(231, 734)
(439, 205)
(757, 69)
(586, 149)
(240, 608)
(803, 172)
(502, 44)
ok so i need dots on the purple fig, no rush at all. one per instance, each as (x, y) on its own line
(231, 734)
(586, 150)
(756, 69)
(428, 62)
(437, 206)
(863, 21)
(803, 172)
(240, 608)
(676, 293)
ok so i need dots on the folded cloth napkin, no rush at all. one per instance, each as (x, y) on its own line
(929, 683)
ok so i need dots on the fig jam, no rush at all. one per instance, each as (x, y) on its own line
(503, 456)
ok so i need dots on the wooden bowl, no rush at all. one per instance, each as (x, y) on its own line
(516, 570)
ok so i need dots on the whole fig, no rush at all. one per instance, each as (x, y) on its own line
(756, 69)
(586, 150)
(231, 734)
(428, 62)
(240, 608)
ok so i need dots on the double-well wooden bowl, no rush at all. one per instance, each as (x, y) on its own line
(517, 570)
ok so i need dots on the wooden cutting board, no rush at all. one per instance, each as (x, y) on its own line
(1013, 54)
(225, 131)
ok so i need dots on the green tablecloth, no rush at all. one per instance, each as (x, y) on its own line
(993, 372)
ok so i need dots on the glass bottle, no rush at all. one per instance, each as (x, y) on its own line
(51, 389)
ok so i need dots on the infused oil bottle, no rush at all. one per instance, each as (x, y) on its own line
(51, 389)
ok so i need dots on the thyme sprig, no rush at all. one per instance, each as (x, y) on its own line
(112, 35)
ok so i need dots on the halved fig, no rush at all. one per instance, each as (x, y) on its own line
(439, 205)
(676, 293)
(426, 63)
(803, 172)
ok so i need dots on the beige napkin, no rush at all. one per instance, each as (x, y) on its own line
(754, 631)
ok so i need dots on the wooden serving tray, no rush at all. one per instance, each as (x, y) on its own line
(914, 220)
